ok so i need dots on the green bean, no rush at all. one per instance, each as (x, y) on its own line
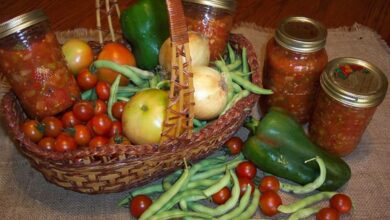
(235, 65)
(147, 190)
(154, 80)
(228, 205)
(304, 213)
(113, 96)
(245, 67)
(217, 170)
(310, 187)
(237, 97)
(188, 195)
(236, 88)
(201, 183)
(183, 205)
(224, 181)
(166, 183)
(143, 74)
(125, 99)
(232, 55)
(221, 65)
(251, 210)
(243, 203)
(300, 204)
(246, 84)
(229, 85)
(165, 197)
(175, 213)
(128, 89)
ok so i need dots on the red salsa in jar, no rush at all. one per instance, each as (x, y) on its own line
(32, 60)
(212, 18)
(351, 90)
(295, 58)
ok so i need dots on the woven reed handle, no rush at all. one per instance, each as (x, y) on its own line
(180, 111)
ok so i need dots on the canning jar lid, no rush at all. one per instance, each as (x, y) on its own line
(354, 82)
(20, 22)
(224, 4)
(301, 34)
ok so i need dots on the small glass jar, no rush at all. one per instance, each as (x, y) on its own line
(212, 18)
(351, 90)
(295, 58)
(33, 63)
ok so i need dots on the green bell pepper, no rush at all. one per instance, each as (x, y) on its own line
(145, 25)
(280, 146)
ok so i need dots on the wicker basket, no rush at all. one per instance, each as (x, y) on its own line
(118, 167)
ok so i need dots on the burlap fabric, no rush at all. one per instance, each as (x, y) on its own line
(24, 194)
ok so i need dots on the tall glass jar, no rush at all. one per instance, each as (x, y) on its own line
(295, 58)
(351, 90)
(33, 63)
(212, 18)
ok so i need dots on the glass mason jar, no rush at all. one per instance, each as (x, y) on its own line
(295, 58)
(212, 18)
(351, 90)
(33, 63)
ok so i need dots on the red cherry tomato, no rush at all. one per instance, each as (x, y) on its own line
(116, 129)
(69, 120)
(246, 169)
(101, 124)
(221, 196)
(53, 126)
(269, 203)
(86, 80)
(83, 110)
(328, 214)
(341, 203)
(82, 135)
(243, 182)
(117, 109)
(234, 145)
(139, 204)
(100, 107)
(33, 130)
(98, 141)
(269, 183)
(103, 90)
(47, 143)
(64, 142)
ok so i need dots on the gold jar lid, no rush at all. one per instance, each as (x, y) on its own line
(354, 82)
(301, 34)
(20, 22)
(224, 4)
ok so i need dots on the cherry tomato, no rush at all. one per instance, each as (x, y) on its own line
(83, 110)
(47, 143)
(341, 203)
(246, 169)
(101, 124)
(53, 126)
(78, 54)
(269, 183)
(33, 130)
(243, 182)
(234, 145)
(221, 196)
(328, 214)
(116, 129)
(86, 80)
(103, 90)
(119, 139)
(98, 141)
(69, 120)
(139, 204)
(82, 135)
(100, 107)
(269, 203)
(64, 142)
(117, 109)
(117, 53)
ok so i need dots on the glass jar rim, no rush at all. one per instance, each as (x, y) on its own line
(224, 4)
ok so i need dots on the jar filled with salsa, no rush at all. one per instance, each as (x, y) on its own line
(351, 90)
(212, 18)
(295, 58)
(33, 63)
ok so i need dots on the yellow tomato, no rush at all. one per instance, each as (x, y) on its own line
(78, 55)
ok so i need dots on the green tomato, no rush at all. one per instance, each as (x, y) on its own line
(78, 55)
(144, 115)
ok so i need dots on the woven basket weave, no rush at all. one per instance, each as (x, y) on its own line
(117, 167)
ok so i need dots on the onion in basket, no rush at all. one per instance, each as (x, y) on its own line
(199, 51)
(210, 92)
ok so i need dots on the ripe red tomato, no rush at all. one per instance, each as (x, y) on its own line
(86, 80)
(101, 124)
(53, 126)
(116, 129)
(83, 110)
(328, 214)
(117, 109)
(98, 141)
(341, 203)
(33, 130)
(117, 53)
(82, 135)
(47, 143)
(69, 120)
(139, 204)
(243, 182)
(221, 196)
(246, 169)
(103, 90)
(269, 203)
(64, 142)
(100, 107)
(269, 183)
(234, 145)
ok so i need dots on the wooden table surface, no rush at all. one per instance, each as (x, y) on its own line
(375, 14)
